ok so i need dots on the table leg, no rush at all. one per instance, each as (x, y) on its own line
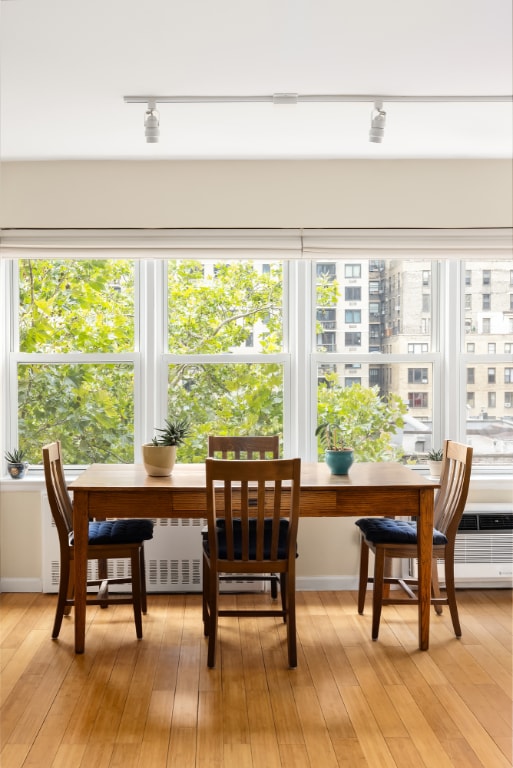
(81, 533)
(425, 552)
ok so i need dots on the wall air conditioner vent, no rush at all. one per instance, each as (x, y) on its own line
(495, 522)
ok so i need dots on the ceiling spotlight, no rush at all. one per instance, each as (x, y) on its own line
(378, 120)
(151, 123)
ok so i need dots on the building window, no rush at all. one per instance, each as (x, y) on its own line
(349, 382)
(486, 325)
(491, 375)
(326, 271)
(327, 341)
(352, 270)
(487, 276)
(353, 293)
(418, 399)
(373, 286)
(327, 317)
(426, 302)
(468, 302)
(417, 375)
(486, 302)
(471, 399)
(353, 316)
(468, 277)
(471, 348)
(353, 339)
(508, 348)
(492, 399)
(417, 349)
(508, 376)
(491, 347)
(508, 399)
(471, 376)
(426, 274)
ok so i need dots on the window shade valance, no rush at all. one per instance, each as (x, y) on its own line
(258, 244)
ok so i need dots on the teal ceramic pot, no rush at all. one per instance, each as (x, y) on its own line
(339, 461)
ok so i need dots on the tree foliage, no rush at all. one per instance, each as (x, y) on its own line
(369, 420)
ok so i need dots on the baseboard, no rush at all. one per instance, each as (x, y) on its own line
(326, 583)
(21, 585)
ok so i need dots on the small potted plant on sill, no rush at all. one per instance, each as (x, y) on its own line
(337, 455)
(16, 466)
(435, 457)
(159, 456)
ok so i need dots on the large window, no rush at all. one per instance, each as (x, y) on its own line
(102, 350)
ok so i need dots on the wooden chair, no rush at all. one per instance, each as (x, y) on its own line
(247, 447)
(252, 529)
(107, 539)
(388, 538)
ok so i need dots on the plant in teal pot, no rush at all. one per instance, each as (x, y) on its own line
(337, 455)
(16, 466)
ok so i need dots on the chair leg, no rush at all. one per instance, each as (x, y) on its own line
(205, 594)
(451, 592)
(64, 585)
(142, 566)
(213, 597)
(435, 585)
(291, 619)
(102, 574)
(377, 595)
(283, 593)
(136, 593)
(274, 586)
(364, 574)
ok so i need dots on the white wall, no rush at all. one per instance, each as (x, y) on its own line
(294, 193)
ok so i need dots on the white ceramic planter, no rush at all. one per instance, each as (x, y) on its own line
(158, 460)
(435, 468)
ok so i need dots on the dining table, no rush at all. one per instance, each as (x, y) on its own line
(382, 489)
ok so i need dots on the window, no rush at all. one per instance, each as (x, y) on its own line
(232, 346)
(426, 302)
(487, 276)
(417, 375)
(486, 301)
(353, 339)
(353, 293)
(468, 301)
(417, 399)
(426, 276)
(352, 270)
(468, 277)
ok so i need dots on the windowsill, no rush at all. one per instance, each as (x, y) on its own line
(486, 479)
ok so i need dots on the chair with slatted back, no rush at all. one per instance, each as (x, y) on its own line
(108, 539)
(247, 447)
(253, 513)
(388, 538)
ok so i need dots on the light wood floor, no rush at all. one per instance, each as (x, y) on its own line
(351, 702)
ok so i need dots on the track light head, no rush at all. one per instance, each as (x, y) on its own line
(151, 123)
(378, 121)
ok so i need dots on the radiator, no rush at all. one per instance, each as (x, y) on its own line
(484, 548)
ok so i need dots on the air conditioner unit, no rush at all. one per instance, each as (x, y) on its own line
(507, 405)
(484, 548)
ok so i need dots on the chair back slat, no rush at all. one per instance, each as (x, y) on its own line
(452, 495)
(244, 446)
(250, 495)
(58, 496)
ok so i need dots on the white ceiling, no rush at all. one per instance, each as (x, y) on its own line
(65, 66)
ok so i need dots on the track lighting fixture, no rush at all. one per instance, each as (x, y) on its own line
(151, 123)
(378, 121)
(378, 115)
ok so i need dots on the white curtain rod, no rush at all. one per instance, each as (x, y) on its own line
(294, 98)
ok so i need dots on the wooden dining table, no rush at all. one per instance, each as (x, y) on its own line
(370, 489)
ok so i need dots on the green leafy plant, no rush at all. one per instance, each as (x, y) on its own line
(435, 455)
(15, 456)
(174, 433)
(331, 437)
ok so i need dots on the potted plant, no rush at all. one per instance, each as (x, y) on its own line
(159, 456)
(435, 457)
(337, 455)
(16, 467)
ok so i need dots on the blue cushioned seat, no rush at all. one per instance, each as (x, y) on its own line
(237, 539)
(119, 531)
(384, 530)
